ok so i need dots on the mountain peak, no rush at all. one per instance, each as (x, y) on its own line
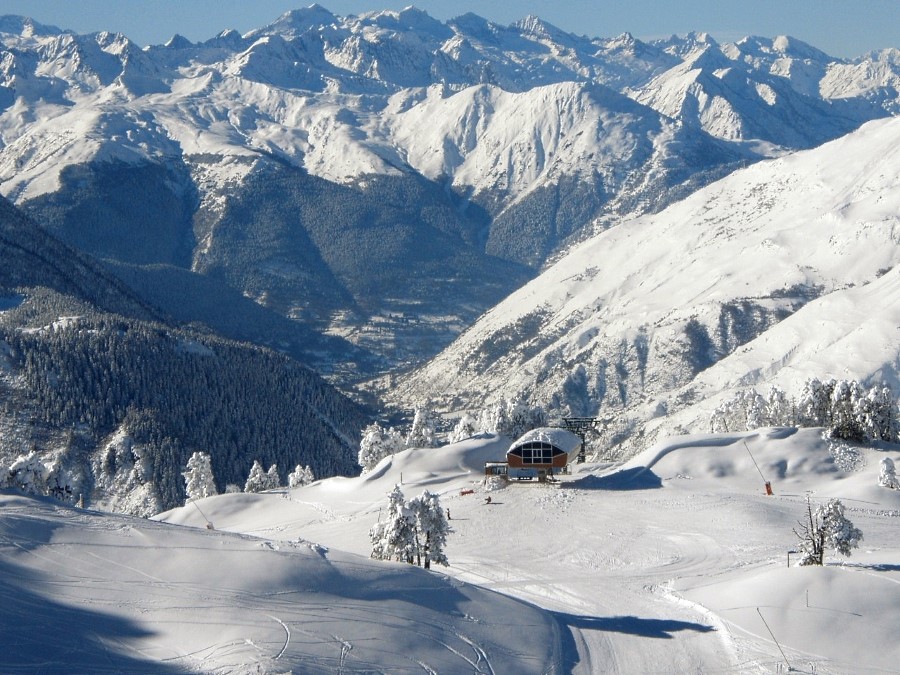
(472, 25)
(781, 46)
(178, 42)
(409, 19)
(298, 21)
(13, 24)
(682, 46)
(228, 38)
(533, 25)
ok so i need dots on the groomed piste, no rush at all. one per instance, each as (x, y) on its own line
(673, 562)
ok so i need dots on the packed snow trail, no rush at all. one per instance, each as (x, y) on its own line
(634, 562)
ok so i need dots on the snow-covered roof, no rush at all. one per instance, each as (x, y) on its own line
(560, 438)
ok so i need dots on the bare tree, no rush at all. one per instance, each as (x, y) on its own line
(826, 527)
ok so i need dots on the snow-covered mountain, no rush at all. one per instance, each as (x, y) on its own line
(495, 144)
(780, 272)
(769, 93)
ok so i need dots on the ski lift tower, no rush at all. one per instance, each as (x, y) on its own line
(580, 426)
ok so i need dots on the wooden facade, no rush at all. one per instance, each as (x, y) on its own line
(542, 452)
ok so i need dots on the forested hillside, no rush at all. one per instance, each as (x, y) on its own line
(113, 399)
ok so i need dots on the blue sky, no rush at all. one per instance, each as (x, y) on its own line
(843, 28)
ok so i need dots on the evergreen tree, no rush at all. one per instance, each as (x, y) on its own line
(376, 444)
(421, 434)
(522, 418)
(779, 409)
(302, 475)
(754, 406)
(814, 405)
(842, 407)
(432, 529)
(28, 474)
(395, 536)
(845, 423)
(494, 420)
(257, 481)
(511, 418)
(272, 479)
(876, 414)
(840, 534)
(465, 428)
(887, 475)
(198, 477)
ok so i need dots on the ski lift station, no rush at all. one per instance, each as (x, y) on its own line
(538, 455)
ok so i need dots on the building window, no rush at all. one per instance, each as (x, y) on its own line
(536, 452)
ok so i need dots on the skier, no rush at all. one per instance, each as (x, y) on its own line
(488, 500)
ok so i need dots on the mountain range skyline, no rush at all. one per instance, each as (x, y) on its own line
(837, 28)
(354, 193)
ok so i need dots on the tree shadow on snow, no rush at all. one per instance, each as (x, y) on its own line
(875, 567)
(661, 629)
(636, 478)
(42, 635)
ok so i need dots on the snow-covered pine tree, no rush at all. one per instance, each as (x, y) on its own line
(272, 479)
(876, 414)
(376, 444)
(754, 406)
(466, 427)
(302, 475)
(522, 418)
(28, 474)
(510, 418)
(840, 534)
(493, 418)
(723, 418)
(256, 480)
(887, 474)
(432, 529)
(779, 408)
(421, 434)
(825, 528)
(199, 481)
(395, 536)
(814, 404)
(746, 410)
(844, 421)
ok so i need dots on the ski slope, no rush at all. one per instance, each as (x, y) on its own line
(669, 563)
(656, 566)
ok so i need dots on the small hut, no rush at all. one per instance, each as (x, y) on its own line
(542, 452)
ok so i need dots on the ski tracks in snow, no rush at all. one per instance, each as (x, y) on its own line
(287, 637)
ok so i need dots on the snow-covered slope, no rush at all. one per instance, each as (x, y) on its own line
(765, 92)
(782, 271)
(524, 136)
(91, 592)
(654, 566)
(314, 88)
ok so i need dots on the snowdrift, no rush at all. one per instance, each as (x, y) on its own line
(117, 594)
(673, 562)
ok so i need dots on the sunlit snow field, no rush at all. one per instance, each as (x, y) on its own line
(673, 562)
